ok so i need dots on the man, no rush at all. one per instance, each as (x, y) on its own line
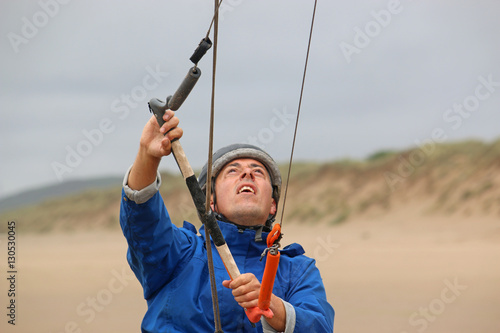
(171, 262)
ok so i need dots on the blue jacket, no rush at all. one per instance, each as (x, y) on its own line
(171, 265)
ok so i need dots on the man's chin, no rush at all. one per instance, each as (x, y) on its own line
(249, 216)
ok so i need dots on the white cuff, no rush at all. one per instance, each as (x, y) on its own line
(290, 320)
(146, 193)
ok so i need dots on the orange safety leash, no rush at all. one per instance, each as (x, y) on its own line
(266, 287)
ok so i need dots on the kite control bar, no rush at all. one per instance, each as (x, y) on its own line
(174, 102)
(158, 108)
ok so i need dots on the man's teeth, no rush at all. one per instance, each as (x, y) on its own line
(246, 188)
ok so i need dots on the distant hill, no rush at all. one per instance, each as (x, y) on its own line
(456, 179)
(55, 191)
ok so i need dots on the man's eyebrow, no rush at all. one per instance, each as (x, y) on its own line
(253, 165)
(236, 164)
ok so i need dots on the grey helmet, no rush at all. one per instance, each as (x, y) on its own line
(240, 150)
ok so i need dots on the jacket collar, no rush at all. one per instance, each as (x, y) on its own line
(242, 240)
(239, 239)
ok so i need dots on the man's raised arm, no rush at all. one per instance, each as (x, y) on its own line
(154, 144)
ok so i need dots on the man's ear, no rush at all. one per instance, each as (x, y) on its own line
(212, 202)
(274, 209)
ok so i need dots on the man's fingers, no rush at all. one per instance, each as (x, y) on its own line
(168, 114)
(242, 280)
(245, 290)
(165, 146)
(245, 287)
(171, 123)
(247, 305)
(175, 133)
(245, 296)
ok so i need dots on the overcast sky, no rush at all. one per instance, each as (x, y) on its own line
(77, 75)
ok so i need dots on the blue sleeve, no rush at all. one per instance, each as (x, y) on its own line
(307, 295)
(157, 248)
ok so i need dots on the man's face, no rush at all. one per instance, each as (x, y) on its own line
(244, 192)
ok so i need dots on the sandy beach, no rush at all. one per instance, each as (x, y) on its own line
(386, 275)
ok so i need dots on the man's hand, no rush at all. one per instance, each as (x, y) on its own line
(246, 289)
(154, 141)
(154, 144)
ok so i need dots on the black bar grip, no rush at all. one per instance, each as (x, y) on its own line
(175, 102)
(158, 107)
(208, 219)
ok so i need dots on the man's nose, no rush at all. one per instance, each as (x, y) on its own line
(247, 173)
